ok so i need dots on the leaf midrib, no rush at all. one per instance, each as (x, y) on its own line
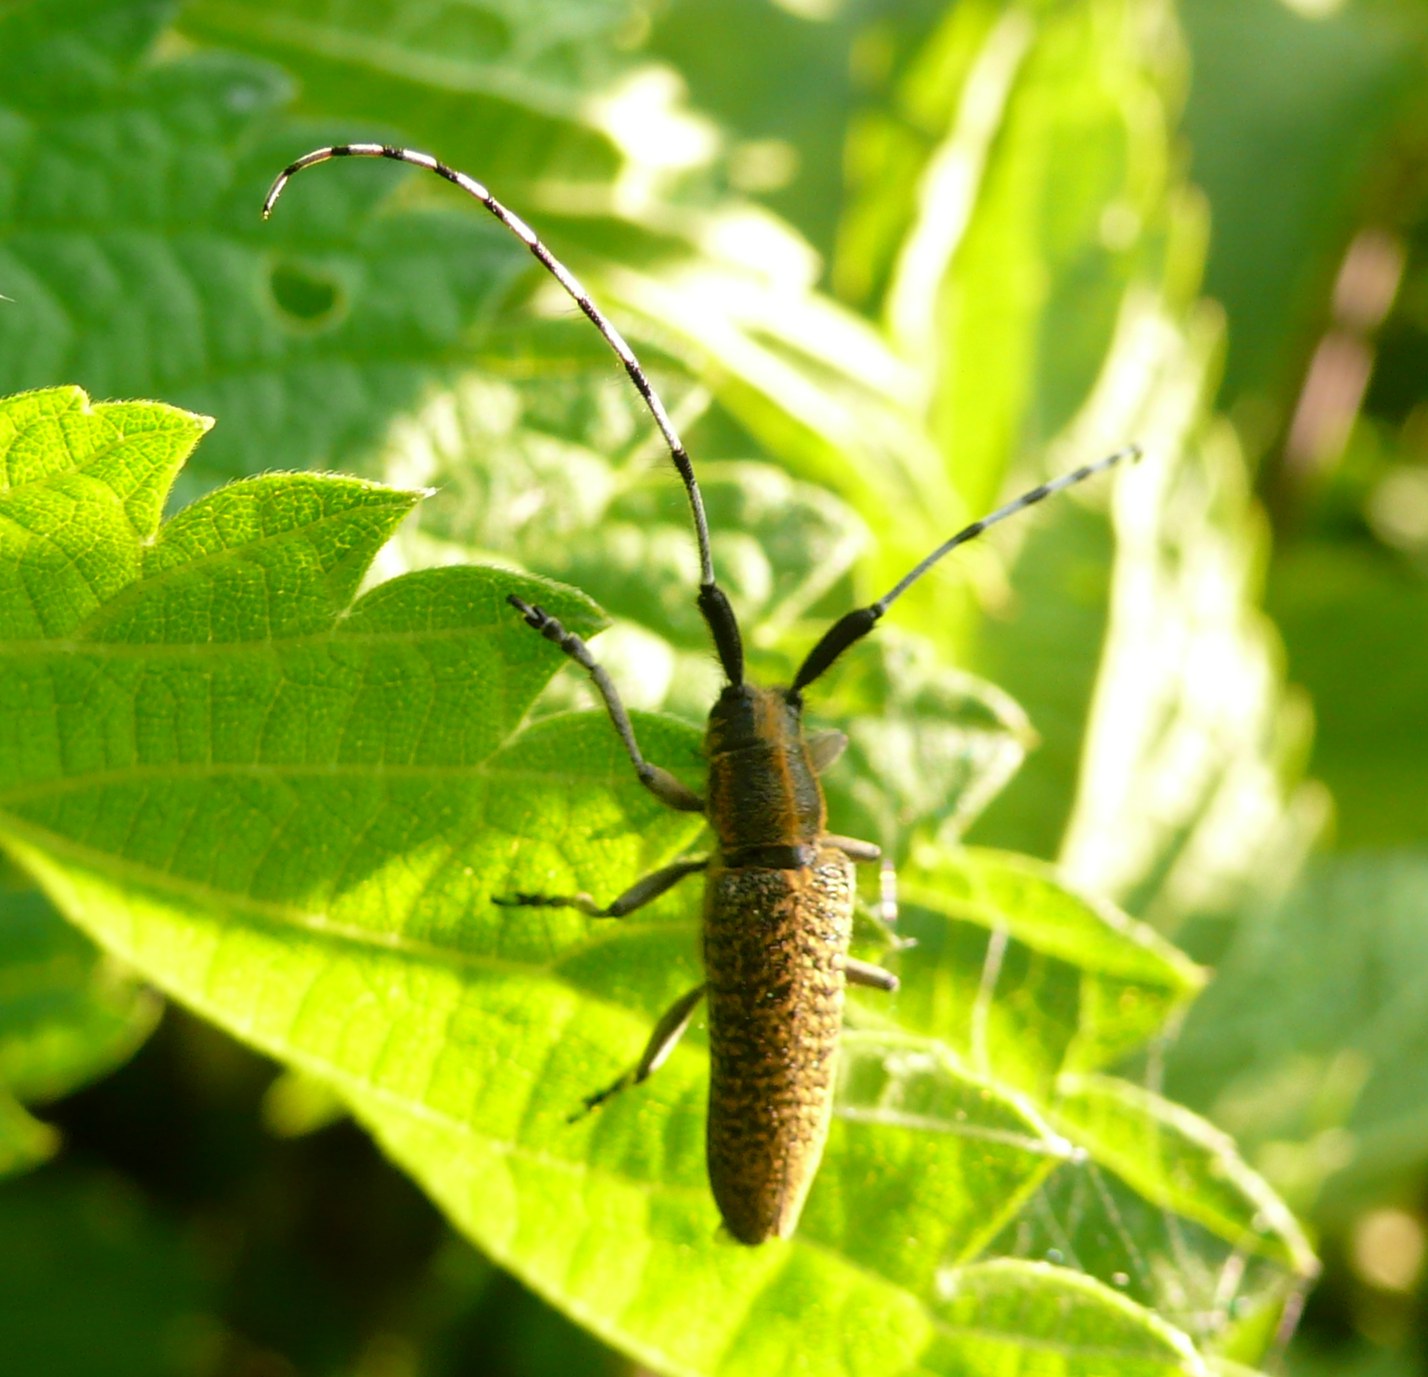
(315, 924)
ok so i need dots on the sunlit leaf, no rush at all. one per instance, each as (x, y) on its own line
(294, 813)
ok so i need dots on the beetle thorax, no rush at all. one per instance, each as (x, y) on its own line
(763, 790)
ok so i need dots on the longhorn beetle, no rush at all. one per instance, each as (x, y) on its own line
(778, 888)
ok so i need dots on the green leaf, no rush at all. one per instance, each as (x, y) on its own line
(1333, 1110)
(1085, 1327)
(71, 553)
(1033, 987)
(1019, 222)
(1179, 747)
(534, 72)
(619, 178)
(1182, 1164)
(1233, 1282)
(293, 814)
(134, 259)
(1026, 979)
(25, 1142)
(1035, 201)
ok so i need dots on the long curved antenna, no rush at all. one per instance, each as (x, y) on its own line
(856, 624)
(712, 603)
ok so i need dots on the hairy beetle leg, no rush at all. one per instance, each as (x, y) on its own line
(667, 1032)
(636, 896)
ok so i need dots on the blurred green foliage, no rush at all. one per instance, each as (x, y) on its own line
(885, 262)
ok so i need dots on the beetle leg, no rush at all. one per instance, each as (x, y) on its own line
(854, 849)
(866, 974)
(663, 785)
(636, 896)
(667, 1032)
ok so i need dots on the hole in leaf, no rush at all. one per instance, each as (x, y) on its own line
(308, 298)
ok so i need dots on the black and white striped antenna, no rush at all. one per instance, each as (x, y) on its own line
(712, 601)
